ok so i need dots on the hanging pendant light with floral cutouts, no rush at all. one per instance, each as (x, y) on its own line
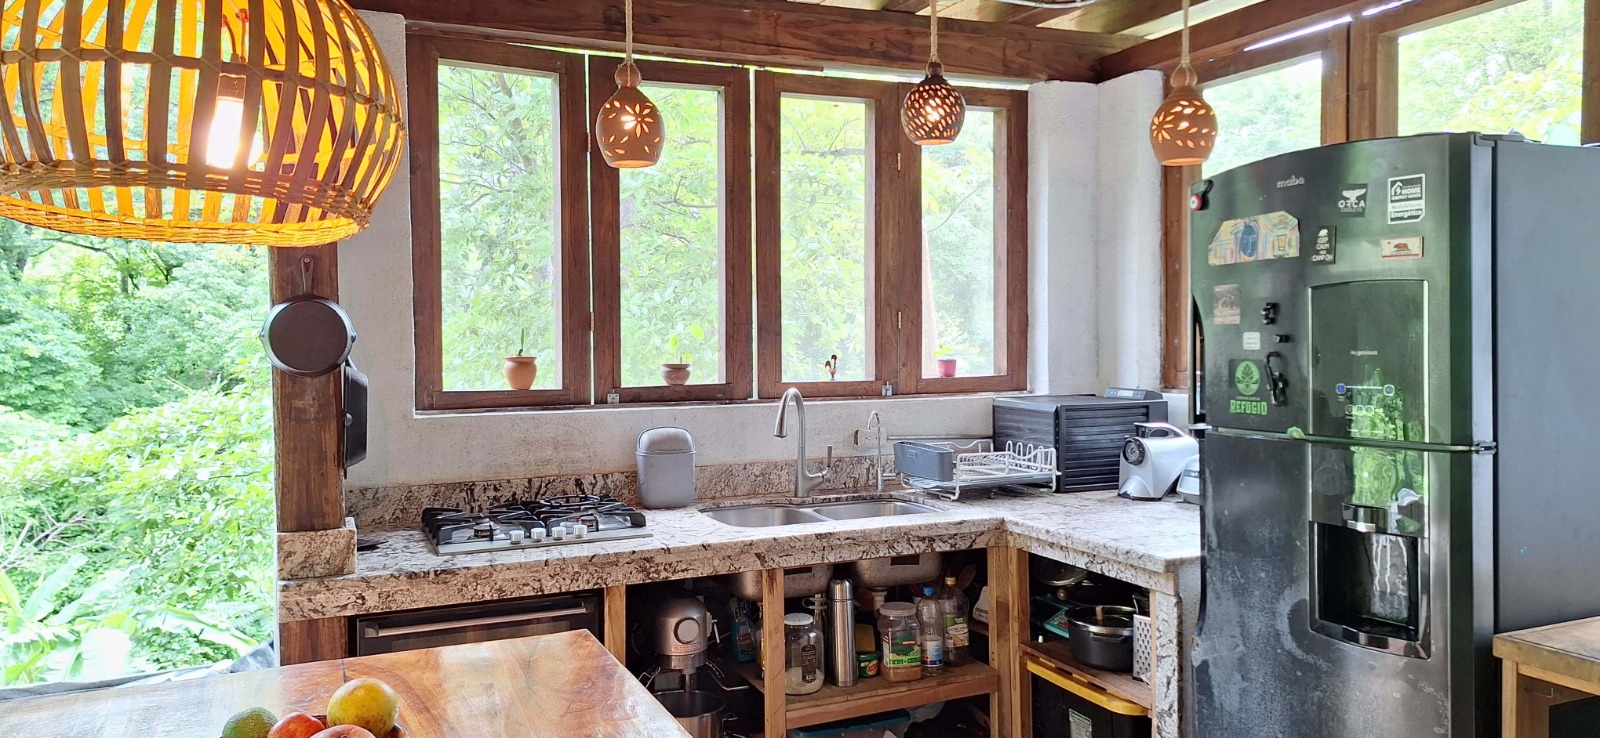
(933, 110)
(1184, 129)
(628, 128)
(258, 122)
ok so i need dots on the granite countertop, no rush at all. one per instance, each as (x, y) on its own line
(1146, 543)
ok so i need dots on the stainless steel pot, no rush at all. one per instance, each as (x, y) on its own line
(700, 713)
(1102, 636)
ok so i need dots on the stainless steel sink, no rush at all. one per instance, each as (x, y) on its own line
(764, 516)
(870, 509)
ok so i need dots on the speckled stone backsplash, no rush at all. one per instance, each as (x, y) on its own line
(382, 507)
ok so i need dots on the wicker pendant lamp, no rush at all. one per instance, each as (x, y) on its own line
(263, 122)
(933, 110)
(1184, 129)
(628, 126)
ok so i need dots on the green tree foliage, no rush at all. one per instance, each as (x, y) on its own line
(1518, 67)
(1266, 114)
(958, 223)
(45, 362)
(499, 215)
(825, 237)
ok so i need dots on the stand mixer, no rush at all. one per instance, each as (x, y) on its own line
(680, 634)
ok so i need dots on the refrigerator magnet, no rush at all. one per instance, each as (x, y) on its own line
(1225, 304)
(1401, 248)
(1324, 250)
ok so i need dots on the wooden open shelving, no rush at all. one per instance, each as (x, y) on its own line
(877, 694)
(1059, 655)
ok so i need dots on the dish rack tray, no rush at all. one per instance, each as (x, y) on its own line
(978, 466)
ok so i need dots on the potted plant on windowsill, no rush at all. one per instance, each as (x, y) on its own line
(521, 370)
(945, 358)
(676, 375)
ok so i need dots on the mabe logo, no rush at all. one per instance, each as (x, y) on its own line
(1292, 181)
(1353, 200)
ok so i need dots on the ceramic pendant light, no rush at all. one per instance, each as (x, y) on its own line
(1184, 130)
(628, 128)
(114, 141)
(933, 110)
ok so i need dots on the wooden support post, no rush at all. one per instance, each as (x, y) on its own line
(306, 414)
(772, 650)
(1011, 708)
(1591, 72)
(616, 621)
(305, 641)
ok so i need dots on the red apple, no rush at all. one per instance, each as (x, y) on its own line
(296, 725)
(345, 731)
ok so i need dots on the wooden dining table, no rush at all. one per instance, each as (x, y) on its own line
(565, 685)
(1545, 667)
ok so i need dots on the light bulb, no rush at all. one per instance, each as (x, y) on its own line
(227, 123)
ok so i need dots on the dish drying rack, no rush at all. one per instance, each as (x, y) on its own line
(978, 466)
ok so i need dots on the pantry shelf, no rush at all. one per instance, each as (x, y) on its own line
(877, 694)
(1059, 655)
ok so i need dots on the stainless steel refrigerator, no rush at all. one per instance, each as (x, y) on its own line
(1397, 361)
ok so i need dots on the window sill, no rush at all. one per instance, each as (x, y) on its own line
(661, 406)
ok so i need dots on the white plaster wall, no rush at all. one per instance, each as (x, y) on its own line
(1068, 170)
(1128, 233)
(1063, 128)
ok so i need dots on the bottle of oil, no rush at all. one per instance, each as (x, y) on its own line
(956, 612)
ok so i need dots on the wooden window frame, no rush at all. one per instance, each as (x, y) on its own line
(895, 255)
(1011, 251)
(606, 236)
(424, 54)
(1176, 316)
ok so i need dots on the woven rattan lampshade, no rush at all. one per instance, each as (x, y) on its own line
(933, 111)
(1184, 129)
(269, 122)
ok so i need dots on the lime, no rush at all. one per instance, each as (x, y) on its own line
(255, 722)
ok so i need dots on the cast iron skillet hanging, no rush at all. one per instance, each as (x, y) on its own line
(306, 335)
(355, 415)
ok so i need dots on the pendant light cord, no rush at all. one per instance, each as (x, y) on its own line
(627, 43)
(1185, 36)
(933, 32)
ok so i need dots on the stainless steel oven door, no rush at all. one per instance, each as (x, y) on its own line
(449, 626)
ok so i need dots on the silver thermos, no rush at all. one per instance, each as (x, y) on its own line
(841, 633)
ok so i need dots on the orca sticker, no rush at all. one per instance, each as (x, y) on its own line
(1353, 200)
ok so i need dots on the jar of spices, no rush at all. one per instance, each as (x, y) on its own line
(803, 674)
(901, 639)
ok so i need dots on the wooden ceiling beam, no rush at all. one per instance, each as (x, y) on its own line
(1228, 32)
(908, 6)
(775, 32)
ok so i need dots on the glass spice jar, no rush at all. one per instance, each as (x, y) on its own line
(803, 672)
(901, 639)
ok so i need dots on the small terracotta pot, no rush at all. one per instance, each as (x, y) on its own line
(521, 371)
(675, 374)
(947, 367)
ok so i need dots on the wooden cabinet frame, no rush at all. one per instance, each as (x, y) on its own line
(606, 235)
(424, 54)
(894, 257)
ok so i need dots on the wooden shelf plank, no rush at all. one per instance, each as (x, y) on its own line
(880, 695)
(1059, 655)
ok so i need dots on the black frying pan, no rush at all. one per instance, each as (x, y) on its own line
(306, 335)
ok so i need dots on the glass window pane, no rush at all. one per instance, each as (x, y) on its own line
(1266, 114)
(1517, 68)
(958, 226)
(672, 245)
(827, 238)
(498, 209)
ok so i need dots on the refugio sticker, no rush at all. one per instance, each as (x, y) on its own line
(1353, 199)
(1225, 304)
(1401, 248)
(1324, 248)
(1247, 382)
(1407, 198)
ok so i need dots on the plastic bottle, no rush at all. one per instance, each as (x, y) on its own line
(931, 623)
(953, 606)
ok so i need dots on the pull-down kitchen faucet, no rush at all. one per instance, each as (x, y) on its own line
(804, 481)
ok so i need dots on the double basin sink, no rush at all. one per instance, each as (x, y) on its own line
(766, 516)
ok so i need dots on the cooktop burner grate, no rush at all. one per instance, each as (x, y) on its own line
(550, 521)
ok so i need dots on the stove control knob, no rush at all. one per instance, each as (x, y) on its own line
(536, 535)
(516, 536)
(558, 533)
(580, 530)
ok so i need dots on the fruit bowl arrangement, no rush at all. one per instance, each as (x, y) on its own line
(362, 708)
